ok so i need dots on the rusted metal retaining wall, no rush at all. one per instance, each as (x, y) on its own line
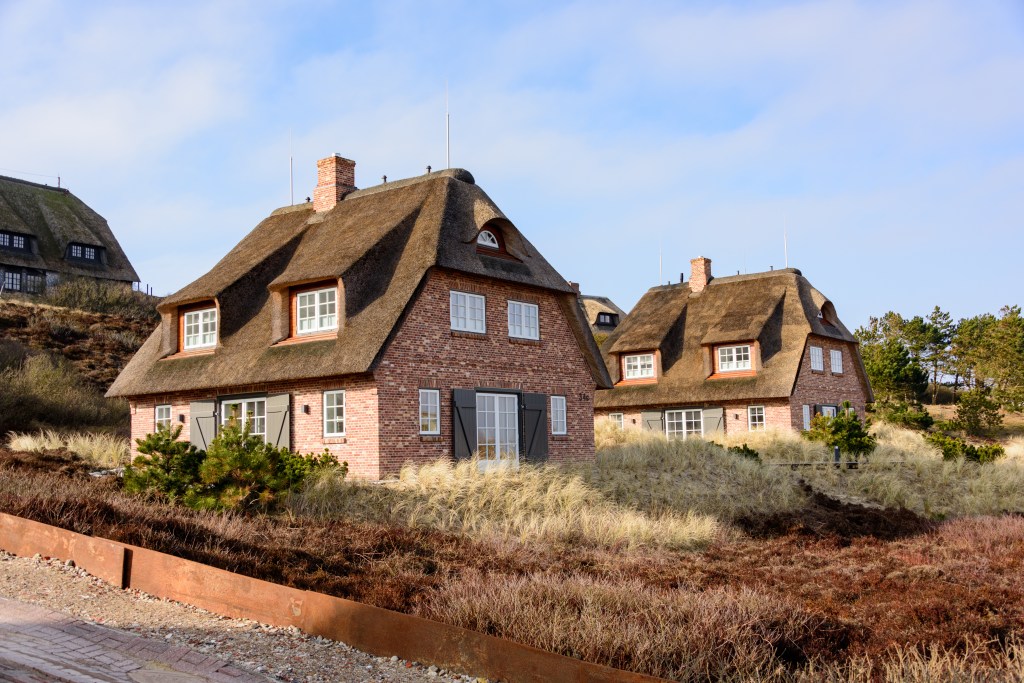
(372, 629)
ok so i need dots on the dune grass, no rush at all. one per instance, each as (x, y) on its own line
(102, 450)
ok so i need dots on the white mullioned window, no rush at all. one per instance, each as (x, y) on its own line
(523, 320)
(5, 239)
(33, 283)
(829, 411)
(755, 418)
(558, 417)
(12, 281)
(430, 411)
(316, 311)
(639, 366)
(248, 412)
(89, 253)
(487, 239)
(734, 358)
(807, 417)
(836, 361)
(468, 312)
(682, 424)
(334, 413)
(162, 417)
(817, 359)
(497, 428)
(76, 250)
(201, 329)
(18, 241)
(618, 419)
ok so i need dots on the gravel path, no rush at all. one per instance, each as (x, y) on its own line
(283, 654)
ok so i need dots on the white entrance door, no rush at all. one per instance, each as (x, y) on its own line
(497, 429)
(250, 411)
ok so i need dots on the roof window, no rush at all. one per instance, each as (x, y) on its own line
(487, 239)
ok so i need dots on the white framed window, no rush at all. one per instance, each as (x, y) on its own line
(162, 417)
(487, 239)
(201, 329)
(836, 361)
(755, 418)
(618, 419)
(33, 283)
(430, 411)
(334, 413)
(807, 418)
(558, 418)
(247, 412)
(639, 366)
(89, 253)
(682, 424)
(5, 239)
(76, 250)
(523, 320)
(829, 411)
(12, 281)
(18, 241)
(497, 428)
(606, 318)
(316, 311)
(817, 359)
(734, 358)
(467, 312)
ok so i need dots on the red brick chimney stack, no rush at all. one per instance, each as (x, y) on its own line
(700, 273)
(335, 178)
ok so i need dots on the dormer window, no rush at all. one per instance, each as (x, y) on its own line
(734, 358)
(487, 239)
(84, 252)
(638, 366)
(316, 311)
(199, 329)
(610, 319)
(14, 241)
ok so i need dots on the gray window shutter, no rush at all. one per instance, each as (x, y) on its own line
(202, 423)
(463, 423)
(279, 420)
(714, 421)
(653, 421)
(535, 427)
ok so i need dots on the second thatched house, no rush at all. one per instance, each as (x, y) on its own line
(400, 323)
(731, 354)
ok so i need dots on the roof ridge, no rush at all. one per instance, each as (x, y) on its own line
(41, 186)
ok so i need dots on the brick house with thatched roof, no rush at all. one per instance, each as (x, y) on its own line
(403, 322)
(48, 234)
(730, 354)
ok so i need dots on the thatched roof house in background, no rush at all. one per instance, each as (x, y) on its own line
(397, 323)
(602, 314)
(48, 234)
(726, 354)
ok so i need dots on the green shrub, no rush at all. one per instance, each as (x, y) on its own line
(954, 448)
(166, 467)
(745, 451)
(844, 430)
(905, 414)
(977, 412)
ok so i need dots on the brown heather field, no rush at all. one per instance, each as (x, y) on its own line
(676, 559)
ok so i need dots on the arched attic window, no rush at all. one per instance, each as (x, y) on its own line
(487, 239)
(827, 314)
(490, 241)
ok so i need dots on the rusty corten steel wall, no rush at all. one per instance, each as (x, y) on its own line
(372, 629)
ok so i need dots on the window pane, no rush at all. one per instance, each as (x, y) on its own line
(430, 411)
(334, 413)
(755, 417)
(467, 312)
(558, 417)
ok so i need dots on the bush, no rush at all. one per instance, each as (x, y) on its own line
(905, 414)
(745, 451)
(167, 467)
(977, 412)
(954, 448)
(116, 298)
(844, 430)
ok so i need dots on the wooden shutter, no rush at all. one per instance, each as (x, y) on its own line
(463, 423)
(535, 427)
(202, 423)
(714, 421)
(279, 420)
(653, 421)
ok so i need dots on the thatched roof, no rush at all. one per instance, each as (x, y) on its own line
(56, 218)
(381, 242)
(778, 309)
(593, 305)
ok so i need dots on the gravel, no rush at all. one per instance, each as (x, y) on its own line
(283, 654)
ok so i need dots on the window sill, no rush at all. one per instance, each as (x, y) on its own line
(644, 380)
(559, 437)
(837, 374)
(431, 438)
(335, 440)
(523, 341)
(190, 354)
(469, 335)
(817, 372)
(322, 336)
(732, 374)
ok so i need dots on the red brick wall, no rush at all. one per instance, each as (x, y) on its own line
(427, 354)
(826, 387)
(776, 413)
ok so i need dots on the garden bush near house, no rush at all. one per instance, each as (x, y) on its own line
(844, 430)
(166, 467)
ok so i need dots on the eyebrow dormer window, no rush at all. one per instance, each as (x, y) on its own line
(487, 239)
(316, 311)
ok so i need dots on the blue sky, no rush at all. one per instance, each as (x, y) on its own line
(886, 138)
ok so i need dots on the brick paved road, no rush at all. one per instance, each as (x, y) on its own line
(38, 645)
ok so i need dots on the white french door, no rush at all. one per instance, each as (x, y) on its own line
(497, 429)
(251, 412)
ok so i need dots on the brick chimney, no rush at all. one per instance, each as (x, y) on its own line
(335, 178)
(700, 273)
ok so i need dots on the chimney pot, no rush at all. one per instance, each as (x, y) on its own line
(700, 273)
(575, 286)
(336, 177)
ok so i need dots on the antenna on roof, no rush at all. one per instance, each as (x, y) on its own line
(659, 262)
(785, 240)
(447, 129)
(291, 171)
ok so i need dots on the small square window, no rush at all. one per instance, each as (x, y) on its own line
(639, 366)
(467, 312)
(558, 417)
(618, 419)
(734, 358)
(817, 359)
(334, 413)
(523, 320)
(162, 418)
(430, 411)
(755, 418)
